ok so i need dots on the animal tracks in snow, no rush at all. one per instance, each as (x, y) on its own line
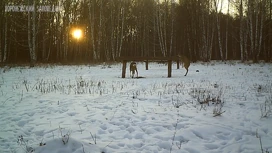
(147, 115)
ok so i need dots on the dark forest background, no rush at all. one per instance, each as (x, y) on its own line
(200, 29)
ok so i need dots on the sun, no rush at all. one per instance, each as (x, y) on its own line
(77, 33)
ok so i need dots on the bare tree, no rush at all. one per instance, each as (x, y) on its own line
(2, 5)
(5, 41)
(161, 27)
(241, 28)
(65, 31)
(172, 26)
(117, 27)
(207, 31)
(268, 36)
(256, 13)
(227, 30)
(217, 11)
(32, 33)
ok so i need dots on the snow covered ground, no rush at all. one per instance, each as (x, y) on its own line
(91, 109)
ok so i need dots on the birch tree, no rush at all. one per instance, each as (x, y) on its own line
(161, 27)
(65, 32)
(32, 33)
(92, 7)
(3, 32)
(2, 13)
(268, 36)
(217, 11)
(117, 27)
(5, 51)
(96, 27)
(256, 13)
(99, 29)
(241, 28)
(207, 31)
(227, 31)
(172, 27)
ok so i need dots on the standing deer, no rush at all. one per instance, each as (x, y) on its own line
(132, 69)
(185, 62)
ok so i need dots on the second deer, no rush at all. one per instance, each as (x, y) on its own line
(133, 69)
(185, 62)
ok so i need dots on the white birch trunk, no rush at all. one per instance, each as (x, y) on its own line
(154, 34)
(218, 28)
(6, 42)
(30, 46)
(164, 28)
(112, 31)
(32, 34)
(116, 33)
(204, 53)
(161, 32)
(122, 31)
(92, 20)
(98, 53)
(227, 33)
(241, 30)
(172, 28)
(262, 13)
(33, 55)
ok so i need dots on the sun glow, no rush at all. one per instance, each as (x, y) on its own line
(77, 33)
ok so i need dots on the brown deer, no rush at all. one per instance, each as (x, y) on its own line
(185, 62)
(133, 69)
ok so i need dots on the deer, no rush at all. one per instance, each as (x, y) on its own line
(133, 69)
(185, 62)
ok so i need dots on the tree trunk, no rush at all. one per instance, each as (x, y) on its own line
(5, 41)
(241, 16)
(260, 35)
(122, 31)
(161, 31)
(218, 28)
(227, 33)
(30, 46)
(112, 19)
(100, 28)
(172, 28)
(32, 34)
(92, 28)
(34, 53)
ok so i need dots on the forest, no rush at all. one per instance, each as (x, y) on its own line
(203, 30)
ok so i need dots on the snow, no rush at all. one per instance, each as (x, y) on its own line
(91, 109)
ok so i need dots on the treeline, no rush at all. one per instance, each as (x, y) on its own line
(200, 29)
